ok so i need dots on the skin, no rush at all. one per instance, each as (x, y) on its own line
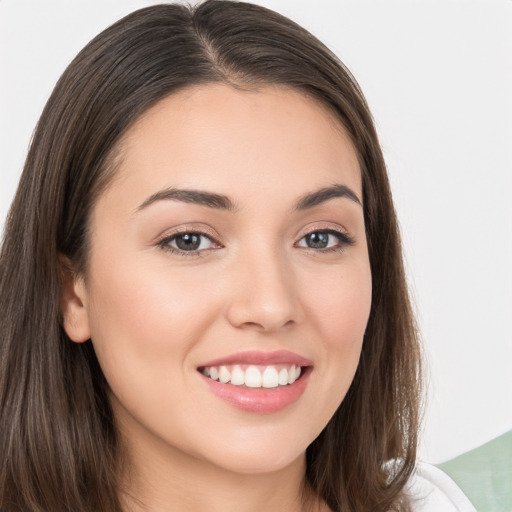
(154, 316)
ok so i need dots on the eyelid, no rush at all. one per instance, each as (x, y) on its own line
(188, 228)
(325, 227)
(163, 241)
(345, 239)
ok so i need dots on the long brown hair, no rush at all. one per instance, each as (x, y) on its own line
(59, 448)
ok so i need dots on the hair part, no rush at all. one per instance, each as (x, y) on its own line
(59, 449)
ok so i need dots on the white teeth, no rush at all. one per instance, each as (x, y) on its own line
(291, 375)
(253, 377)
(224, 375)
(270, 378)
(283, 377)
(237, 376)
(214, 373)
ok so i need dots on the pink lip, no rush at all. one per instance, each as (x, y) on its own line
(260, 400)
(260, 358)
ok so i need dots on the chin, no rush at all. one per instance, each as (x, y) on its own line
(261, 463)
(259, 451)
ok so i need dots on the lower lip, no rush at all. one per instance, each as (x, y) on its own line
(260, 400)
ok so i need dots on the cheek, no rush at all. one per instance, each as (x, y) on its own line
(144, 322)
(149, 305)
(339, 309)
(143, 328)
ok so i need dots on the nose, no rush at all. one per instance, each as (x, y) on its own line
(264, 294)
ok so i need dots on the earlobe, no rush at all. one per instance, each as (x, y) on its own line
(73, 303)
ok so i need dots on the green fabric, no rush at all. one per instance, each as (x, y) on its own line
(485, 474)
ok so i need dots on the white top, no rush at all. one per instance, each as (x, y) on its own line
(431, 490)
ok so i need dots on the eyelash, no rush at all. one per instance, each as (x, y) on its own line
(164, 243)
(344, 240)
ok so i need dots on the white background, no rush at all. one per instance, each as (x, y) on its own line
(438, 78)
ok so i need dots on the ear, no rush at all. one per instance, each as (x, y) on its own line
(73, 303)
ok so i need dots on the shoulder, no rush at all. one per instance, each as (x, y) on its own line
(431, 490)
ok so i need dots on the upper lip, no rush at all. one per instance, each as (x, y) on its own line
(257, 357)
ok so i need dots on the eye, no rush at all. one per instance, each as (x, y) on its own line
(327, 239)
(187, 242)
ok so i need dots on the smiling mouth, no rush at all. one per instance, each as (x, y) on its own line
(256, 381)
(254, 376)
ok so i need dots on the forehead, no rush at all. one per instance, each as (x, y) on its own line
(212, 136)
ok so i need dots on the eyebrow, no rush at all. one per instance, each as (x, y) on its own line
(324, 194)
(209, 199)
(222, 202)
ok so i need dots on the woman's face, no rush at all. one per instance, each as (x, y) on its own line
(231, 245)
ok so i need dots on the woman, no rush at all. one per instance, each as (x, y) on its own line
(203, 297)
